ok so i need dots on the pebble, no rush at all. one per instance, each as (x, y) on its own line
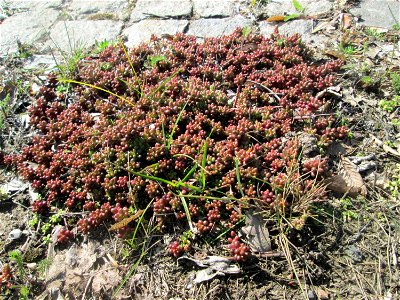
(311, 295)
(15, 234)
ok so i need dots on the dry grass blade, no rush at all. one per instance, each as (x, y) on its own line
(285, 246)
(126, 221)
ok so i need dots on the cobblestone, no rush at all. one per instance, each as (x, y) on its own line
(70, 34)
(161, 9)
(216, 27)
(142, 31)
(43, 23)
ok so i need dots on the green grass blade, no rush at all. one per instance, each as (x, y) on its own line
(174, 184)
(141, 220)
(130, 272)
(164, 135)
(224, 232)
(131, 86)
(159, 179)
(298, 6)
(187, 212)
(131, 64)
(164, 82)
(190, 173)
(203, 165)
(238, 177)
(175, 125)
(291, 17)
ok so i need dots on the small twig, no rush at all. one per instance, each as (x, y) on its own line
(271, 254)
(313, 116)
(358, 236)
(87, 286)
(328, 90)
(270, 92)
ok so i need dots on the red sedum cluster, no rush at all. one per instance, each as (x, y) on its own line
(6, 277)
(221, 112)
(64, 235)
(239, 250)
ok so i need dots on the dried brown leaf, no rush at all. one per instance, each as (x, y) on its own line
(390, 150)
(256, 232)
(321, 26)
(352, 176)
(348, 180)
(321, 293)
(345, 21)
(335, 54)
(277, 18)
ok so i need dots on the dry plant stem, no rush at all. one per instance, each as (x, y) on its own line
(266, 88)
(87, 286)
(284, 245)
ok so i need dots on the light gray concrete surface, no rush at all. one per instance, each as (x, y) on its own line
(142, 31)
(145, 9)
(379, 13)
(216, 27)
(45, 23)
(82, 33)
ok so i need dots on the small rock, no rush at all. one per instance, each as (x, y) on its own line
(355, 253)
(216, 27)
(311, 295)
(67, 33)
(15, 234)
(26, 27)
(142, 31)
(31, 266)
(378, 13)
(79, 9)
(161, 8)
(212, 8)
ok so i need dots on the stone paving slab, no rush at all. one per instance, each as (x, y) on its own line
(142, 31)
(43, 62)
(161, 9)
(379, 13)
(34, 21)
(217, 27)
(311, 7)
(302, 27)
(212, 8)
(24, 5)
(111, 9)
(27, 27)
(82, 33)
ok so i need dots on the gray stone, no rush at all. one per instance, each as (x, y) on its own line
(31, 5)
(161, 8)
(302, 27)
(311, 7)
(79, 9)
(377, 13)
(142, 31)
(15, 234)
(212, 8)
(82, 33)
(43, 62)
(26, 27)
(217, 27)
(355, 253)
(311, 295)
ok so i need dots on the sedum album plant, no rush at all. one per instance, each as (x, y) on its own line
(199, 132)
